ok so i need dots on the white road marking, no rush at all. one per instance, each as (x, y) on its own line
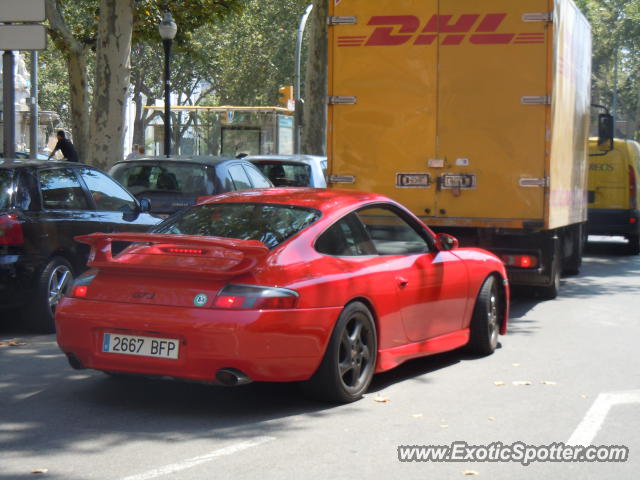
(593, 420)
(192, 462)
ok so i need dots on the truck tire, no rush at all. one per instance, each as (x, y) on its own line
(572, 264)
(633, 248)
(550, 292)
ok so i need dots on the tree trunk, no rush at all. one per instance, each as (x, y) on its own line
(315, 108)
(76, 56)
(112, 82)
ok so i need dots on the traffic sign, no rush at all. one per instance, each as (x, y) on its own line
(22, 11)
(23, 37)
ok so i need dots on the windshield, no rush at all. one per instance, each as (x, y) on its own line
(168, 177)
(271, 224)
(284, 174)
(5, 188)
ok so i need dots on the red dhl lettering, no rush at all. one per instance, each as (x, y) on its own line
(394, 30)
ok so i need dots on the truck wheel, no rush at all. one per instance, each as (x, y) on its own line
(551, 291)
(485, 323)
(573, 263)
(634, 245)
(350, 360)
(50, 286)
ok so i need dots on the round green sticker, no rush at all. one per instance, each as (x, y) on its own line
(200, 300)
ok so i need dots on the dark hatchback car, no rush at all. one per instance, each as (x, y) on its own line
(174, 183)
(43, 205)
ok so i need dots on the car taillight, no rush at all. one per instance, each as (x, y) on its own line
(10, 230)
(80, 287)
(520, 261)
(255, 297)
(633, 189)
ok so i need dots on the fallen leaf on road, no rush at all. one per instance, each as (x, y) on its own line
(15, 343)
(40, 470)
(584, 396)
(470, 472)
(492, 419)
(515, 364)
(444, 426)
(380, 399)
(519, 383)
(548, 382)
(417, 415)
(499, 383)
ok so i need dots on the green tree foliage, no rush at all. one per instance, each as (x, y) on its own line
(616, 36)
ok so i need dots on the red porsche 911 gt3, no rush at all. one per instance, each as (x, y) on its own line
(321, 286)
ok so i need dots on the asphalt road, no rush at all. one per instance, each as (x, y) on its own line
(574, 361)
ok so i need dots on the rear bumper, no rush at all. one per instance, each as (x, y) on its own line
(613, 222)
(269, 345)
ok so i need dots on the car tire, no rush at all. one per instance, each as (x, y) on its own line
(633, 247)
(51, 284)
(485, 322)
(573, 263)
(349, 362)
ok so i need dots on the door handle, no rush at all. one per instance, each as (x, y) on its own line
(402, 282)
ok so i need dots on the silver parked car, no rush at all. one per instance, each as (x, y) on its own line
(292, 170)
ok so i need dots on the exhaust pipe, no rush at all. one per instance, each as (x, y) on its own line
(74, 362)
(231, 377)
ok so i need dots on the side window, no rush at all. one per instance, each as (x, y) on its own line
(27, 197)
(61, 190)
(257, 179)
(390, 233)
(107, 194)
(239, 177)
(347, 237)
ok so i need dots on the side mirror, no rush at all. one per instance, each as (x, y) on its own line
(145, 205)
(605, 132)
(446, 242)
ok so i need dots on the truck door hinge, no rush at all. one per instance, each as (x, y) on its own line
(537, 17)
(536, 100)
(342, 100)
(331, 21)
(534, 182)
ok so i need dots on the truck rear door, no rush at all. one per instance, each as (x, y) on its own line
(383, 81)
(492, 117)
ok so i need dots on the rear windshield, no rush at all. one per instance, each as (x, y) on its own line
(271, 224)
(5, 188)
(188, 178)
(286, 174)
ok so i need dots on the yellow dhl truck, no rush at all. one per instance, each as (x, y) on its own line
(473, 114)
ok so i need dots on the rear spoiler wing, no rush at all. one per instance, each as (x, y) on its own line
(175, 254)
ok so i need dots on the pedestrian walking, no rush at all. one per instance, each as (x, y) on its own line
(66, 147)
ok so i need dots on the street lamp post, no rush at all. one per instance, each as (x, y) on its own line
(297, 139)
(167, 29)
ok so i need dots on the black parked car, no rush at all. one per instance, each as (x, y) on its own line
(173, 183)
(43, 205)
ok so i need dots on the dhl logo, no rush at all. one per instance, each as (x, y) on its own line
(401, 29)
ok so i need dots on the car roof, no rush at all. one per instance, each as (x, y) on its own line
(28, 162)
(195, 160)
(323, 199)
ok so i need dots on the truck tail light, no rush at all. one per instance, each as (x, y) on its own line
(11, 230)
(520, 261)
(255, 297)
(633, 189)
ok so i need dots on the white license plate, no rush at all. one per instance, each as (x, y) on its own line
(142, 346)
